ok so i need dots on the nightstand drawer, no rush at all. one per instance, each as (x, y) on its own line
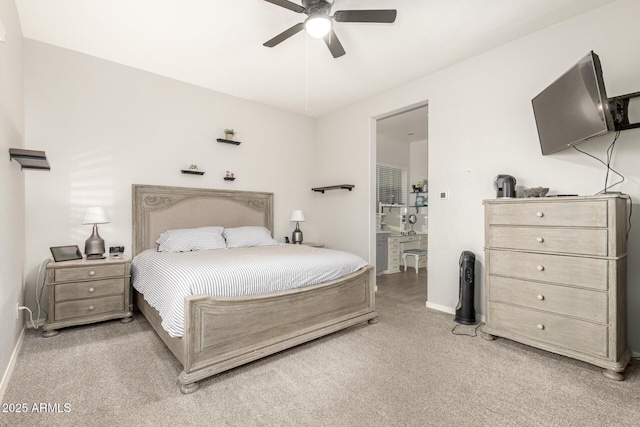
(89, 272)
(569, 214)
(566, 270)
(579, 241)
(88, 307)
(560, 331)
(93, 289)
(581, 303)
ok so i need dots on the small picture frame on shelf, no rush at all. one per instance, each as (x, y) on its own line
(421, 200)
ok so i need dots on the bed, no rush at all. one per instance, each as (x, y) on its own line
(221, 333)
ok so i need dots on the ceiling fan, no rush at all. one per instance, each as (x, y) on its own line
(319, 23)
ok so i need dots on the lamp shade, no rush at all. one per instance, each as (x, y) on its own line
(95, 215)
(297, 216)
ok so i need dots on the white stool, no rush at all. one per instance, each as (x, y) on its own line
(416, 254)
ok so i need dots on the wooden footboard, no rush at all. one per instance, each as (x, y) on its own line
(223, 333)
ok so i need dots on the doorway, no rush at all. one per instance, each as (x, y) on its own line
(401, 206)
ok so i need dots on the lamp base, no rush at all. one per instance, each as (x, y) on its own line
(296, 236)
(94, 245)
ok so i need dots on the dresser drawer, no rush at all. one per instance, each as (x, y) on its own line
(88, 307)
(569, 214)
(560, 331)
(92, 289)
(88, 272)
(566, 270)
(578, 241)
(582, 303)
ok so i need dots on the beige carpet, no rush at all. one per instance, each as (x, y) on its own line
(407, 370)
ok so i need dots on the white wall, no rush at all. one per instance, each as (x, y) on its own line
(419, 170)
(393, 153)
(11, 189)
(106, 126)
(481, 124)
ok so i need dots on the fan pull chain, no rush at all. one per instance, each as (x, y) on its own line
(306, 100)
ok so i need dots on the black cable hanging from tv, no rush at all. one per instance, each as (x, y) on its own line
(609, 168)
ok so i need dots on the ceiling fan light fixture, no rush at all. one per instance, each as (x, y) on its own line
(318, 26)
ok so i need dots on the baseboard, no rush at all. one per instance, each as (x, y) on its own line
(442, 308)
(12, 363)
(38, 324)
(451, 310)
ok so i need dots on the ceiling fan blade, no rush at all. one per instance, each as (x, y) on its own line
(334, 44)
(284, 35)
(287, 5)
(386, 16)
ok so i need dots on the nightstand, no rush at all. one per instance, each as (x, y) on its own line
(87, 291)
(314, 245)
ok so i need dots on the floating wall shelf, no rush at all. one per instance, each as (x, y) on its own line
(228, 141)
(334, 187)
(29, 159)
(192, 172)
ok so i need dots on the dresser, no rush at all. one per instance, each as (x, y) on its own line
(556, 276)
(87, 291)
(395, 245)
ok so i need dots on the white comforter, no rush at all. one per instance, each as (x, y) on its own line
(166, 279)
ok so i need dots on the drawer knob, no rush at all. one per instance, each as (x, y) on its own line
(539, 214)
(540, 297)
(92, 273)
(91, 308)
(540, 326)
(540, 268)
(539, 239)
(91, 290)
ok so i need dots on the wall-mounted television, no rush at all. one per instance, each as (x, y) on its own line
(573, 108)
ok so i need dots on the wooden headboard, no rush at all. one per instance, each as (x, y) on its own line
(157, 209)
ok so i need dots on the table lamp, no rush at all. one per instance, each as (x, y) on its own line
(94, 245)
(298, 217)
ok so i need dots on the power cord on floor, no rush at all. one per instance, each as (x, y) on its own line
(39, 290)
(475, 330)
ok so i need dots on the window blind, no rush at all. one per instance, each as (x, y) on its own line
(391, 185)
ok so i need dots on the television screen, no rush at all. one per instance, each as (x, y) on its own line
(574, 108)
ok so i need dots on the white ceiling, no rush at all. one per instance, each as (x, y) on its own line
(407, 126)
(218, 44)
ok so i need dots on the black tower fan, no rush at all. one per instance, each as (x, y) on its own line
(465, 310)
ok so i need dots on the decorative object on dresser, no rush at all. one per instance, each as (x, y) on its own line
(535, 192)
(556, 276)
(87, 291)
(94, 245)
(298, 217)
(229, 176)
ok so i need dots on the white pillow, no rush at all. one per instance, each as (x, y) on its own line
(240, 237)
(191, 239)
